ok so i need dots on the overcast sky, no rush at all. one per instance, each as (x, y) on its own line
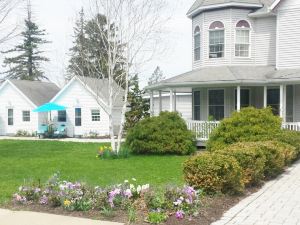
(58, 18)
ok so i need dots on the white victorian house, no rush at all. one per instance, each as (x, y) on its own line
(245, 53)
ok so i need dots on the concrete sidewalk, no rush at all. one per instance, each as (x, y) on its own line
(8, 217)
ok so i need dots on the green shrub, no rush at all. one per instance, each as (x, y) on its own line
(250, 158)
(249, 124)
(214, 173)
(290, 137)
(164, 134)
(157, 217)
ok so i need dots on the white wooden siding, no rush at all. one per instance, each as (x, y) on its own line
(262, 38)
(183, 105)
(11, 98)
(76, 96)
(288, 35)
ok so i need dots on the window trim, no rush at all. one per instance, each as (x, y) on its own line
(215, 89)
(224, 44)
(250, 39)
(8, 117)
(60, 121)
(76, 117)
(97, 115)
(26, 121)
(193, 99)
(194, 46)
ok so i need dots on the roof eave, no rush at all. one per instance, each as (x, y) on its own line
(196, 11)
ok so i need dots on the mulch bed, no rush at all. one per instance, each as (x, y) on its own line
(212, 210)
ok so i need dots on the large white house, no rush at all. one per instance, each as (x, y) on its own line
(18, 99)
(245, 53)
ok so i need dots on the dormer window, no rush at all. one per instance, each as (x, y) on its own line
(216, 40)
(242, 40)
(197, 44)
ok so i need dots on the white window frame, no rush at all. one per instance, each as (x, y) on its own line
(235, 39)
(224, 44)
(215, 89)
(98, 117)
(10, 117)
(194, 42)
(26, 121)
(58, 117)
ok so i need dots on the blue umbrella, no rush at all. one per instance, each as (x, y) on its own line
(48, 107)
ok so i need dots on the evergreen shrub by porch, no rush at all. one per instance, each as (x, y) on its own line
(251, 159)
(163, 134)
(290, 137)
(249, 124)
(213, 173)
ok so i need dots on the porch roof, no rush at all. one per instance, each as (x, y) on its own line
(227, 75)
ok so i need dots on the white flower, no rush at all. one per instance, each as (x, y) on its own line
(133, 179)
(131, 186)
(145, 187)
(138, 189)
(126, 181)
(20, 188)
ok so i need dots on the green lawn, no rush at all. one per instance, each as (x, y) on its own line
(32, 160)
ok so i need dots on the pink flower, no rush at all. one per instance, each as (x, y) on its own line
(127, 193)
(180, 215)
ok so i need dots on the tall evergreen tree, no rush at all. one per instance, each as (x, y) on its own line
(26, 65)
(139, 106)
(89, 53)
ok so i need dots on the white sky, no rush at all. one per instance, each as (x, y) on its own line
(58, 18)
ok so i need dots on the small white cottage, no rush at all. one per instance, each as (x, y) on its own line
(86, 102)
(18, 98)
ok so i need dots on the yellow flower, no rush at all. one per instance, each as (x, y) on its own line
(101, 148)
(67, 203)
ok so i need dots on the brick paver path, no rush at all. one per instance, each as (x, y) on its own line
(277, 203)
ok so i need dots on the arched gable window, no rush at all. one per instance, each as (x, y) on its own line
(197, 43)
(216, 40)
(242, 40)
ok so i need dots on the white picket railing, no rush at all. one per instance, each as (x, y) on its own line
(294, 126)
(202, 129)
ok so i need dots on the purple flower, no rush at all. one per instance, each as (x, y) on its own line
(127, 193)
(180, 215)
(44, 200)
(112, 196)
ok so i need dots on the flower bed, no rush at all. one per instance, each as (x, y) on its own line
(129, 197)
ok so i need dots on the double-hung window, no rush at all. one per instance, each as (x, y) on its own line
(216, 104)
(196, 105)
(216, 40)
(95, 114)
(197, 44)
(242, 39)
(10, 117)
(26, 116)
(78, 117)
(62, 116)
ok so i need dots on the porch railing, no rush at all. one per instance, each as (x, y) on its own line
(203, 129)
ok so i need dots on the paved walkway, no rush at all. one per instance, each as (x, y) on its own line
(83, 140)
(8, 217)
(277, 203)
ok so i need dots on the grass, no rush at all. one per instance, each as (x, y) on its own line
(32, 160)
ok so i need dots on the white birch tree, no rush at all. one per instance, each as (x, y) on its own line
(130, 37)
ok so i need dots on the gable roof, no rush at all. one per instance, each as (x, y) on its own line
(98, 88)
(198, 4)
(37, 92)
(230, 75)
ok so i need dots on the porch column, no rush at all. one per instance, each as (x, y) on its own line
(171, 100)
(151, 103)
(175, 99)
(238, 101)
(265, 96)
(283, 102)
(160, 102)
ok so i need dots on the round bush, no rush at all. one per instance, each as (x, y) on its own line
(250, 158)
(249, 124)
(164, 134)
(214, 173)
(291, 138)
